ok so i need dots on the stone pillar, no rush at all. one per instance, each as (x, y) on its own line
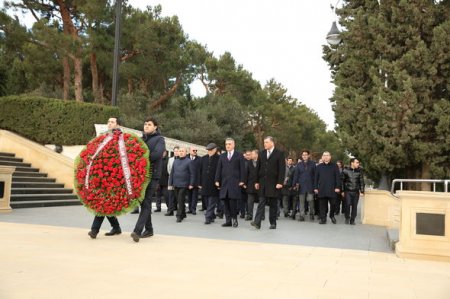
(5, 188)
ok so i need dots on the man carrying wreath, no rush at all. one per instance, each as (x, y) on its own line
(157, 145)
(113, 125)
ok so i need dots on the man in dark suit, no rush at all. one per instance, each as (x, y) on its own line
(269, 181)
(327, 183)
(207, 174)
(193, 193)
(230, 177)
(252, 193)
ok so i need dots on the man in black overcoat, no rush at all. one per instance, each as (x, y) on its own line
(230, 177)
(327, 184)
(207, 174)
(269, 181)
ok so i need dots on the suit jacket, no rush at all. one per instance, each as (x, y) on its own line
(304, 176)
(270, 172)
(229, 174)
(207, 174)
(251, 177)
(327, 179)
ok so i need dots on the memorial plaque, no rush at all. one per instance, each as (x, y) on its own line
(430, 224)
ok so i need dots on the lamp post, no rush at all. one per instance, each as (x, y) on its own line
(115, 82)
(334, 35)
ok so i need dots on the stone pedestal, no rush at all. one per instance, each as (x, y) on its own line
(5, 187)
(425, 225)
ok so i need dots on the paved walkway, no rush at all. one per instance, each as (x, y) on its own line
(46, 253)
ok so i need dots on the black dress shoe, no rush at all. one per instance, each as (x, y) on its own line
(188, 212)
(226, 224)
(194, 213)
(207, 221)
(301, 218)
(135, 237)
(179, 219)
(273, 226)
(322, 221)
(168, 214)
(157, 210)
(242, 216)
(254, 224)
(347, 221)
(147, 234)
(113, 232)
(248, 218)
(220, 215)
(311, 217)
(235, 223)
(333, 220)
(352, 222)
(92, 234)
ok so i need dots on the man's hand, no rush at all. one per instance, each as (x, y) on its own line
(343, 194)
(217, 184)
(257, 186)
(278, 186)
(296, 187)
(191, 187)
(337, 190)
(199, 187)
(241, 184)
(316, 191)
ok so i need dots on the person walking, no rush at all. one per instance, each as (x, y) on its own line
(230, 177)
(156, 145)
(327, 183)
(269, 181)
(207, 175)
(353, 186)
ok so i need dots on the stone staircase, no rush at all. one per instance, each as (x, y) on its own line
(31, 188)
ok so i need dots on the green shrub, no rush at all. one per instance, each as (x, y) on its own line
(53, 121)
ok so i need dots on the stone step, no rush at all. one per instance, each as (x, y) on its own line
(45, 203)
(41, 197)
(36, 185)
(10, 159)
(14, 163)
(26, 179)
(28, 174)
(27, 169)
(40, 191)
(3, 154)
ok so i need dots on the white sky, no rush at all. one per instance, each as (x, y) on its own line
(272, 39)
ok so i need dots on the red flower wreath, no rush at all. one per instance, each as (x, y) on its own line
(107, 191)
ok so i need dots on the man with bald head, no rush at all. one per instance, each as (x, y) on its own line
(327, 184)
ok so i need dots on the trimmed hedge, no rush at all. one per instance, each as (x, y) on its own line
(53, 121)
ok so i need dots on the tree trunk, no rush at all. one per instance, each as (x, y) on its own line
(78, 66)
(426, 175)
(70, 29)
(66, 78)
(94, 72)
(166, 96)
(130, 86)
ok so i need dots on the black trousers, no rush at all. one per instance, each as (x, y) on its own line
(230, 209)
(351, 201)
(323, 207)
(162, 195)
(260, 211)
(251, 197)
(98, 220)
(145, 217)
(180, 195)
(211, 206)
(193, 199)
